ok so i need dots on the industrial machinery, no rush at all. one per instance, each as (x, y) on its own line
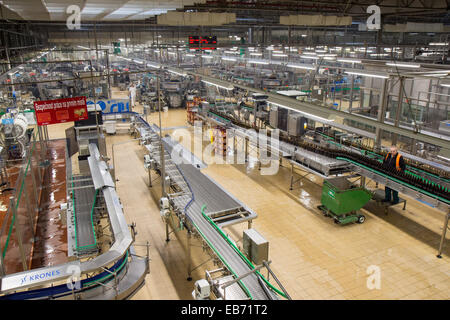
(13, 134)
(173, 93)
(202, 290)
(341, 200)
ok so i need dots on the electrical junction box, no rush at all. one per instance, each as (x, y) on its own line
(256, 247)
(297, 125)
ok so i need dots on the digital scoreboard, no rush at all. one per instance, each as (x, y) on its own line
(203, 43)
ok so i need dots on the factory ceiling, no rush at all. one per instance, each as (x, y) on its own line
(248, 11)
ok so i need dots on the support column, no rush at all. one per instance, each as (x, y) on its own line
(441, 245)
(381, 113)
(189, 236)
(399, 109)
(150, 177)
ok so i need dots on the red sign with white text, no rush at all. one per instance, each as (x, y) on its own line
(60, 110)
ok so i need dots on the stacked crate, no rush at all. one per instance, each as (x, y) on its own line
(191, 115)
(220, 141)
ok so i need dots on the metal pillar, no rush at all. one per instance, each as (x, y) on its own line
(381, 113)
(399, 109)
(444, 232)
(150, 177)
(246, 149)
(189, 268)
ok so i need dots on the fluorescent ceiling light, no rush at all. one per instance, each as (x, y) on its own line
(297, 66)
(402, 65)
(228, 59)
(279, 55)
(217, 85)
(438, 43)
(255, 54)
(258, 62)
(308, 115)
(309, 57)
(277, 51)
(177, 73)
(207, 57)
(190, 55)
(447, 85)
(172, 53)
(349, 61)
(153, 65)
(367, 74)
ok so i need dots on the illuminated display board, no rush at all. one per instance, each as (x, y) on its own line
(206, 43)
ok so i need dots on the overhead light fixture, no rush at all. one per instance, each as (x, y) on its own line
(218, 85)
(207, 57)
(438, 44)
(228, 59)
(447, 85)
(177, 73)
(297, 66)
(153, 66)
(402, 65)
(279, 55)
(349, 61)
(367, 74)
(190, 55)
(308, 115)
(257, 62)
(172, 52)
(255, 54)
(310, 57)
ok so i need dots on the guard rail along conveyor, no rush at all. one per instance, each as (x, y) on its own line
(335, 159)
(119, 271)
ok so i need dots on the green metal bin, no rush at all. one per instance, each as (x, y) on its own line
(341, 199)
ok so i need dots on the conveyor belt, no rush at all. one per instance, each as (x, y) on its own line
(207, 193)
(83, 201)
(203, 191)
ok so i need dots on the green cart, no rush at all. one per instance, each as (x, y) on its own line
(341, 200)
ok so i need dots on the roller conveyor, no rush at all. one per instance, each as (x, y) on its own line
(83, 201)
(205, 192)
(205, 196)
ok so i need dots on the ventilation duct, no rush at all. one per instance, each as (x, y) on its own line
(315, 20)
(196, 18)
(414, 27)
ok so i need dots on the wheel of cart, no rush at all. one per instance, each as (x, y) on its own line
(361, 218)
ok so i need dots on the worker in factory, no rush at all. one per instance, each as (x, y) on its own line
(395, 161)
(132, 91)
